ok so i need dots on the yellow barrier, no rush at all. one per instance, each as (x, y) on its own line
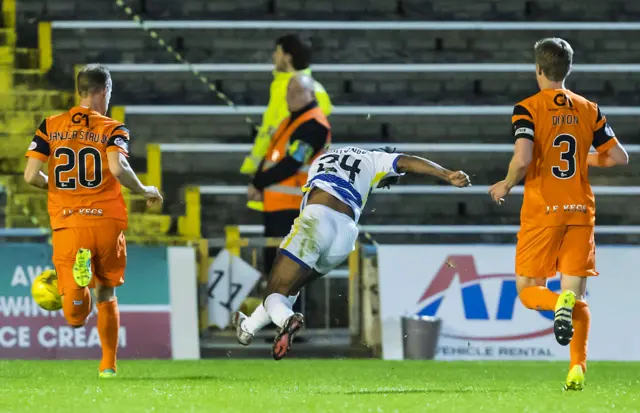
(232, 235)
(117, 113)
(45, 46)
(154, 165)
(189, 224)
(9, 13)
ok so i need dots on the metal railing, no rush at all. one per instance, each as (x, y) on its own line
(399, 146)
(344, 25)
(208, 110)
(366, 68)
(154, 151)
(455, 229)
(429, 190)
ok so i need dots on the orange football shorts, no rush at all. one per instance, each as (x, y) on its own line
(108, 253)
(541, 252)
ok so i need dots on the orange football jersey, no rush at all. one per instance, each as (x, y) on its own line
(82, 190)
(563, 126)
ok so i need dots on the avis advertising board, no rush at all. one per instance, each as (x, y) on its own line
(471, 288)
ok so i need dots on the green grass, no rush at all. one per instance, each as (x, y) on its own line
(218, 386)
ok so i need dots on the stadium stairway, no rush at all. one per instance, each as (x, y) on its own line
(23, 105)
(26, 99)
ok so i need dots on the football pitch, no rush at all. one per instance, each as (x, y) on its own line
(263, 386)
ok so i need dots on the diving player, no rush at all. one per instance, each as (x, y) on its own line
(324, 234)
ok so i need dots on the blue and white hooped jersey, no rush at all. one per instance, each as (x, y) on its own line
(350, 173)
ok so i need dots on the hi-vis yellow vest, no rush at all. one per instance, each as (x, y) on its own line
(287, 194)
(274, 115)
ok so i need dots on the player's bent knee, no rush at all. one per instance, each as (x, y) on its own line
(104, 293)
(523, 282)
(527, 288)
(577, 284)
(78, 317)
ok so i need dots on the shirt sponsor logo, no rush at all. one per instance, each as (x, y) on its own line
(96, 212)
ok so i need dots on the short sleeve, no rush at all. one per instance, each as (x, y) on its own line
(522, 122)
(604, 138)
(119, 140)
(386, 163)
(39, 146)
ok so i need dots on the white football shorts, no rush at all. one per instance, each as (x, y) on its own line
(320, 238)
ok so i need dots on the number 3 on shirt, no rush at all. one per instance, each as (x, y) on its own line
(568, 156)
(79, 160)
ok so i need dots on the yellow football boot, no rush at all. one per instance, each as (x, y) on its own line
(107, 374)
(575, 379)
(562, 320)
(82, 267)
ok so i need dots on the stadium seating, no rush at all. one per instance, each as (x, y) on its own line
(491, 10)
(413, 31)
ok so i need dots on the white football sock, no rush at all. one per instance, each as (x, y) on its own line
(258, 320)
(293, 299)
(279, 308)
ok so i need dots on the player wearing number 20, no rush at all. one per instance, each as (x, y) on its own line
(87, 154)
(554, 131)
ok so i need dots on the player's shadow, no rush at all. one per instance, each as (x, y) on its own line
(186, 378)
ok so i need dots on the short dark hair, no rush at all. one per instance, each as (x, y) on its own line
(92, 79)
(300, 50)
(555, 57)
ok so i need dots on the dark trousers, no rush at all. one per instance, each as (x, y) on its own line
(277, 224)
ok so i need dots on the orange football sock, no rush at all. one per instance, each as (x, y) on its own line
(581, 325)
(108, 328)
(76, 306)
(539, 298)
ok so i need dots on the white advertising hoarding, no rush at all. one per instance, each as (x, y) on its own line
(230, 281)
(472, 289)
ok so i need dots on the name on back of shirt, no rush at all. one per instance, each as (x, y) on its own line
(83, 135)
(560, 120)
(348, 150)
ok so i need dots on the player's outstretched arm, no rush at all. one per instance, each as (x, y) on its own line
(33, 174)
(616, 155)
(121, 170)
(421, 166)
